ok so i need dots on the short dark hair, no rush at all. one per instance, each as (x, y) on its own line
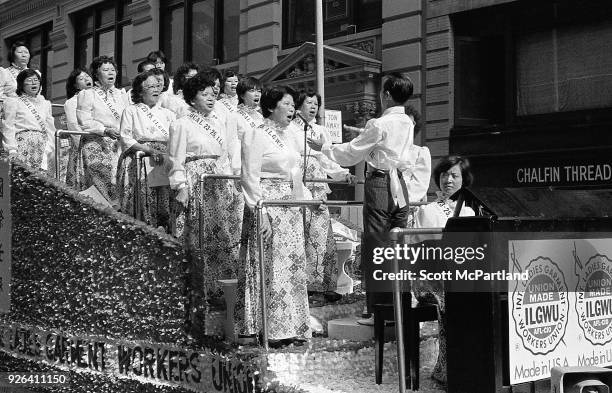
(71, 89)
(399, 87)
(157, 71)
(98, 62)
(180, 76)
(143, 64)
(199, 82)
(447, 163)
(416, 116)
(156, 54)
(307, 94)
(137, 88)
(228, 73)
(245, 85)
(213, 72)
(23, 75)
(271, 96)
(14, 46)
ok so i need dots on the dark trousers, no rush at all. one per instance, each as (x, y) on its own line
(380, 215)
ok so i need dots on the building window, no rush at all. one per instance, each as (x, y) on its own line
(519, 65)
(105, 30)
(340, 17)
(41, 54)
(202, 31)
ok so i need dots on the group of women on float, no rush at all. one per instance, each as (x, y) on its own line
(187, 129)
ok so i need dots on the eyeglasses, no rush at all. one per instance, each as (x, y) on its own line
(153, 86)
(31, 80)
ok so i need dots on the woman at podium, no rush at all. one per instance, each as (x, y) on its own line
(450, 175)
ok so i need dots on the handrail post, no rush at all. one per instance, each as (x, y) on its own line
(57, 154)
(262, 282)
(199, 207)
(138, 157)
(399, 321)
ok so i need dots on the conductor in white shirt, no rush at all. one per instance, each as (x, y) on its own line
(384, 145)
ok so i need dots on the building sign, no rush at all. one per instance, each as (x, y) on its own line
(333, 124)
(164, 365)
(562, 314)
(5, 236)
(577, 174)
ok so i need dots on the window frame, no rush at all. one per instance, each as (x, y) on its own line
(45, 46)
(534, 20)
(119, 22)
(167, 6)
(336, 27)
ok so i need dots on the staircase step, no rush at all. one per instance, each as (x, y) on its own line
(349, 329)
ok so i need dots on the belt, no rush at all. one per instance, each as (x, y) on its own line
(381, 173)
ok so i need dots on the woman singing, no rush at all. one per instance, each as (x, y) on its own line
(99, 112)
(199, 145)
(320, 245)
(144, 127)
(78, 80)
(270, 170)
(28, 131)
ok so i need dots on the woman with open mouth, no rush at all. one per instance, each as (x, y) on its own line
(320, 245)
(78, 80)
(99, 112)
(270, 170)
(199, 145)
(228, 96)
(28, 131)
(145, 127)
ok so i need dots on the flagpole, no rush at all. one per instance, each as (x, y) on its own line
(320, 67)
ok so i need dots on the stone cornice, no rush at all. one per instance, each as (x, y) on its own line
(12, 10)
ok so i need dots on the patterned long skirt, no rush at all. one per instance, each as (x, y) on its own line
(154, 202)
(215, 244)
(31, 146)
(97, 165)
(321, 267)
(285, 273)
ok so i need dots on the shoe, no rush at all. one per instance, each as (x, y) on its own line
(366, 321)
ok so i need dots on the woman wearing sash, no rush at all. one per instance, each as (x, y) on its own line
(99, 112)
(175, 102)
(229, 96)
(270, 170)
(320, 245)
(19, 58)
(199, 145)
(451, 174)
(28, 129)
(144, 127)
(248, 113)
(78, 80)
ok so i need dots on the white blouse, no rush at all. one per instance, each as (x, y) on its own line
(190, 139)
(437, 213)
(141, 123)
(246, 119)
(8, 81)
(316, 132)
(227, 117)
(94, 114)
(267, 152)
(176, 103)
(18, 117)
(70, 110)
(417, 175)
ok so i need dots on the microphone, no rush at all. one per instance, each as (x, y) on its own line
(306, 125)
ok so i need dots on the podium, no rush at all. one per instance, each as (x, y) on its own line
(487, 337)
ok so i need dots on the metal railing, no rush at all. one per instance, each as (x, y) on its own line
(396, 234)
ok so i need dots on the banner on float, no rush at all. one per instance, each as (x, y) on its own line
(5, 236)
(159, 364)
(562, 314)
(333, 124)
